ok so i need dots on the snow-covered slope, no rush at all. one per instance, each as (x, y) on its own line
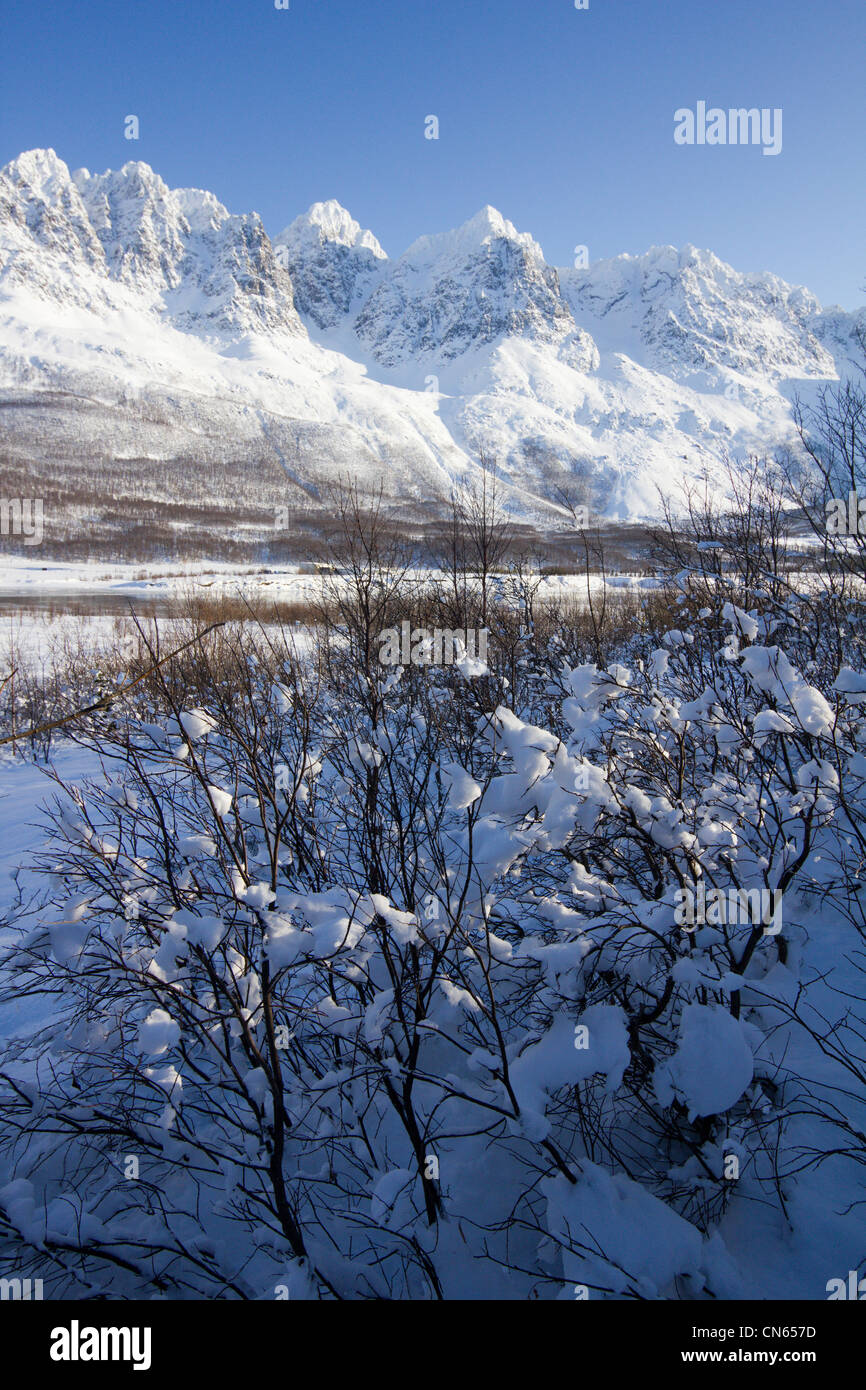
(137, 321)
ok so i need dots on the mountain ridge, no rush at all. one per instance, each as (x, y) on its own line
(604, 382)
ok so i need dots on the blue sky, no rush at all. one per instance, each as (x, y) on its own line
(562, 119)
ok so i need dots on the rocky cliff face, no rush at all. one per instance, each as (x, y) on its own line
(467, 289)
(332, 260)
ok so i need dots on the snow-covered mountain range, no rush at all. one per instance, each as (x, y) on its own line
(139, 322)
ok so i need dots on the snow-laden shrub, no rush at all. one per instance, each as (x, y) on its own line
(351, 1003)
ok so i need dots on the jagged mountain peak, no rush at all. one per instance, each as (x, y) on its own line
(135, 172)
(136, 191)
(38, 169)
(473, 237)
(684, 310)
(332, 260)
(478, 285)
(177, 250)
(46, 224)
(330, 221)
(695, 268)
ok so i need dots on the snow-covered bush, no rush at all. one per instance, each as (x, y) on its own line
(366, 987)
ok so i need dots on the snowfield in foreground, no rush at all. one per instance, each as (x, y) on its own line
(340, 995)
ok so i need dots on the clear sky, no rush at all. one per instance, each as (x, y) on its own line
(561, 118)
